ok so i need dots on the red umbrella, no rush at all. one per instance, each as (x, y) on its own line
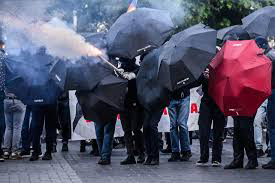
(240, 78)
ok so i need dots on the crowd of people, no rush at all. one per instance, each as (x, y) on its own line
(21, 126)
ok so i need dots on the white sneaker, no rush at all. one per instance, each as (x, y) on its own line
(202, 163)
(216, 164)
(6, 155)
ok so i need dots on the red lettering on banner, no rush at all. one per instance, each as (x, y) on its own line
(194, 108)
(118, 116)
(88, 121)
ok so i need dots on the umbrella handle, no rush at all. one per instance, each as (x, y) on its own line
(108, 63)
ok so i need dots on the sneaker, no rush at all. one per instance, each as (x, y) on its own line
(202, 163)
(2, 158)
(65, 148)
(166, 151)
(104, 162)
(141, 158)
(260, 153)
(15, 156)
(34, 157)
(252, 164)
(234, 165)
(185, 156)
(25, 154)
(269, 165)
(6, 155)
(175, 156)
(129, 161)
(216, 164)
(47, 156)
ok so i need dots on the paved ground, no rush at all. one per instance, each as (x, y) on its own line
(75, 167)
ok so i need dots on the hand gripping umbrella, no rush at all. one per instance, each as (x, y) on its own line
(186, 55)
(240, 78)
(261, 22)
(138, 31)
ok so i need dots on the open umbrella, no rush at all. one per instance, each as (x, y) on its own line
(105, 101)
(138, 31)
(235, 32)
(31, 83)
(224, 31)
(186, 55)
(240, 78)
(261, 22)
(151, 93)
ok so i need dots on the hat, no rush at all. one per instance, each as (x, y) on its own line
(262, 42)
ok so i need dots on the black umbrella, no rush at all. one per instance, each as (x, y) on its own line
(186, 55)
(84, 74)
(138, 31)
(151, 93)
(222, 32)
(261, 22)
(105, 101)
(30, 81)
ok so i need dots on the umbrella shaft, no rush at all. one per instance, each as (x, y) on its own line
(108, 63)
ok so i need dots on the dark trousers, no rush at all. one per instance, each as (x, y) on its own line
(150, 130)
(131, 121)
(271, 123)
(64, 120)
(2, 120)
(209, 112)
(104, 137)
(26, 130)
(44, 114)
(243, 139)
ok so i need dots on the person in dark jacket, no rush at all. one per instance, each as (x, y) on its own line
(131, 118)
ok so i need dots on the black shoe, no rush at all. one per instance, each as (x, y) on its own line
(185, 156)
(202, 163)
(25, 154)
(34, 157)
(166, 151)
(104, 162)
(155, 161)
(175, 156)
(65, 148)
(252, 164)
(129, 161)
(82, 149)
(54, 149)
(141, 158)
(269, 165)
(234, 165)
(268, 152)
(260, 153)
(148, 160)
(47, 156)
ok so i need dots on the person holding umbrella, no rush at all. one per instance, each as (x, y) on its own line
(131, 118)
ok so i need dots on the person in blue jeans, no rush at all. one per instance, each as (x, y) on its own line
(179, 112)
(104, 136)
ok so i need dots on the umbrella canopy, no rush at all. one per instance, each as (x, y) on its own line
(222, 32)
(82, 75)
(105, 101)
(186, 55)
(261, 22)
(240, 78)
(31, 83)
(235, 32)
(151, 93)
(141, 30)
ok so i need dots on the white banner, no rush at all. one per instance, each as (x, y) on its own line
(86, 130)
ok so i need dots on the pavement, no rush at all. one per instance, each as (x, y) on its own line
(76, 167)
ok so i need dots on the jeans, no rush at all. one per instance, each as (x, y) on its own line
(2, 119)
(210, 112)
(150, 131)
(14, 114)
(271, 123)
(131, 121)
(44, 114)
(105, 136)
(26, 130)
(179, 113)
(258, 130)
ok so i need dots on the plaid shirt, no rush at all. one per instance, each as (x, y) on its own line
(2, 70)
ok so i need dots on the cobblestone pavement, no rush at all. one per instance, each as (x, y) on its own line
(75, 167)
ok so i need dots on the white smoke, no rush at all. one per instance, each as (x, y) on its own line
(31, 30)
